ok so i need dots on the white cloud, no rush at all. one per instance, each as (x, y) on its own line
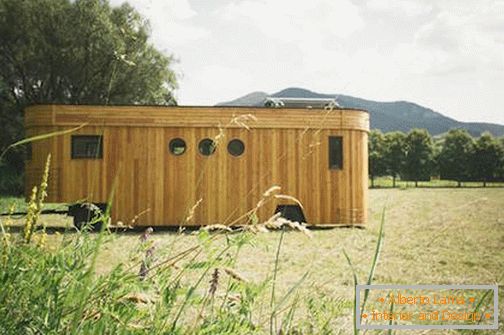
(399, 7)
(447, 55)
(468, 38)
(298, 21)
(173, 22)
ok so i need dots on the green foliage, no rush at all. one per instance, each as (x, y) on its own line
(376, 256)
(418, 163)
(417, 156)
(395, 153)
(84, 51)
(11, 181)
(54, 290)
(77, 52)
(377, 153)
(455, 157)
(487, 158)
(500, 169)
(322, 310)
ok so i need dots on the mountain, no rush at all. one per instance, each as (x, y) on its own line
(386, 116)
(251, 99)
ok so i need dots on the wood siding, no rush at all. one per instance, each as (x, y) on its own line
(284, 147)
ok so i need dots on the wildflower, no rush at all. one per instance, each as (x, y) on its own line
(214, 282)
(42, 239)
(36, 202)
(149, 254)
(6, 247)
(146, 234)
(31, 215)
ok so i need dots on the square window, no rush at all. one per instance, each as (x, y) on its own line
(87, 146)
(335, 152)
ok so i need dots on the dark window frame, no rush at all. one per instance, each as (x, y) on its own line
(29, 151)
(335, 153)
(203, 142)
(172, 143)
(240, 142)
(97, 154)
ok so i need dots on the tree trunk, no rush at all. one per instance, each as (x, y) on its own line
(393, 181)
(459, 183)
(372, 181)
(484, 182)
(416, 183)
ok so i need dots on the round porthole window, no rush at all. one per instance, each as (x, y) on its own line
(206, 147)
(177, 146)
(236, 147)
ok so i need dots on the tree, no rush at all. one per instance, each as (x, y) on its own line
(500, 170)
(394, 154)
(11, 180)
(437, 147)
(77, 52)
(418, 163)
(455, 157)
(486, 159)
(377, 165)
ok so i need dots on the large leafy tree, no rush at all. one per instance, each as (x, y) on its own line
(78, 52)
(455, 156)
(11, 126)
(486, 159)
(418, 163)
(376, 156)
(395, 154)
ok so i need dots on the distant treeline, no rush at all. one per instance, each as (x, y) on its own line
(417, 156)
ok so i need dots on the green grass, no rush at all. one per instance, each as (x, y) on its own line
(20, 205)
(432, 236)
(6, 203)
(387, 182)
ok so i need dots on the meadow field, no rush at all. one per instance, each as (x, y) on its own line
(301, 282)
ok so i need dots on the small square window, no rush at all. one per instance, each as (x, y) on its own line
(87, 146)
(335, 152)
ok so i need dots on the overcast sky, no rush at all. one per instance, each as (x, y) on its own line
(444, 54)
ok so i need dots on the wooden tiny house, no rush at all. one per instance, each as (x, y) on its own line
(203, 165)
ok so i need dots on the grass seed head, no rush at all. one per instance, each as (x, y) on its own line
(271, 190)
(288, 197)
(31, 215)
(235, 275)
(214, 282)
(190, 215)
(217, 227)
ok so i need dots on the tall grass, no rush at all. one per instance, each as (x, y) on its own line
(54, 288)
(370, 278)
